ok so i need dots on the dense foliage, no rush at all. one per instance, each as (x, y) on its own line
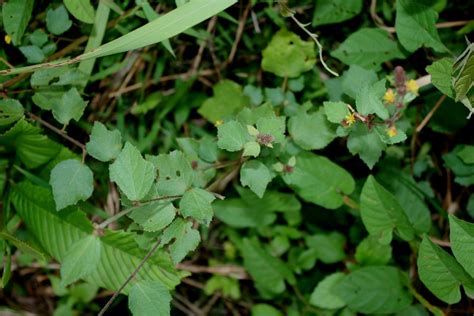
(313, 157)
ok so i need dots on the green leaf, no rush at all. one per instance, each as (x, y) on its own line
(356, 78)
(374, 290)
(31, 147)
(368, 48)
(367, 144)
(370, 252)
(335, 112)
(287, 55)
(33, 54)
(133, 174)
(11, 111)
(70, 106)
(227, 101)
(467, 154)
(441, 273)
(154, 216)
(274, 126)
(237, 213)
(104, 145)
(196, 203)
(381, 213)
(149, 298)
(232, 136)
(318, 180)
(251, 149)
(265, 310)
(71, 181)
(23, 246)
(441, 72)
(464, 70)
(335, 11)
(327, 248)
(369, 100)
(57, 20)
(256, 176)
(16, 14)
(464, 172)
(323, 296)
(185, 237)
(81, 259)
(81, 10)
(415, 25)
(38, 38)
(462, 242)
(312, 131)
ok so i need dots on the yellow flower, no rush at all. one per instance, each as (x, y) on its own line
(392, 131)
(218, 123)
(349, 119)
(8, 39)
(412, 86)
(389, 96)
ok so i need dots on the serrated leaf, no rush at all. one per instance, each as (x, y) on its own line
(57, 20)
(196, 203)
(70, 106)
(81, 10)
(323, 296)
(149, 298)
(312, 131)
(441, 273)
(374, 290)
(133, 174)
(256, 176)
(355, 78)
(46, 99)
(367, 144)
(336, 112)
(415, 25)
(287, 55)
(33, 54)
(318, 180)
(154, 216)
(227, 101)
(274, 126)
(382, 214)
(441, 75)
(185, 237)
(232, 136)
(104, 145)
(71, 181)
(370, 252)
(11, 111)
(335, 11)
(369, 100)
(462, 242)
(81, 259)
(368, 48)
(16, 14)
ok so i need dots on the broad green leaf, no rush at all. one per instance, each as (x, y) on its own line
(227, 101)
(149, 298)
(441, 273)
(24, 246)
(235, 212)
(374, 290)
(415, 24)
(175, 174)
(274, 126)
(366, 144)
(464, 79)
(38, 38)
(57, 20)
(368, 48)
(356, 78)
(256, 176)
(369, 100)
(71, 181)
(464, 172)
(441, 72)
(31, 147)
(312, 131)
(11, 111)
(81, 10)
(33, 54)
(251, 149)
(318, 180)
(323, 296)
(154, 216)
(335, 11)
(255, 94)
(370, 252)
(462, 242)
(104, 145)
(16, 14)
(185, 237)
(381, 213)
(268, 272)
(265, 310)
(287, 55)
(56, 232)
(383, 133)
(335, 112)
(232, 136)
(133, 174)
(81, 259)
(327, 248)
(196, 203)
(70, 106)
(467, 154)
(46, 99)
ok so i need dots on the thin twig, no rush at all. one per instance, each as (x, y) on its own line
(441, 25)
(240, 31)
(134, 273)
(430, 114)
(226, 270)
